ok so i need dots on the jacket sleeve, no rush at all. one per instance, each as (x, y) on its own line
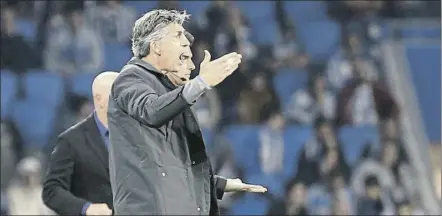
(57, 183)
(220, 185)
(139, 100)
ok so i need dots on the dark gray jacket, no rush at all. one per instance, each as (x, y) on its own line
(157, 160)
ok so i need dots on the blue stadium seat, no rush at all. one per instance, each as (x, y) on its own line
(420, 32)
(81, 84)
(256, 10)
(424, 62)
(44, 87)
(321, 39)
(355, 139)
(294, 139)
(116, 56)
(250, 204)
(26, 28)
(269, 36)
(35, 121)
(9, 88)
(302, 12)
(141, 7)
(244, 142)
(286, 82)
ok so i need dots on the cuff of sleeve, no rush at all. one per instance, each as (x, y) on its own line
(203, 82)
(220, 184)
(194, 89)
(85, 207)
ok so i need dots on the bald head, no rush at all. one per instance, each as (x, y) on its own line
(101, 88)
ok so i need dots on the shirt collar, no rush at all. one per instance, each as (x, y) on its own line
(103, 130)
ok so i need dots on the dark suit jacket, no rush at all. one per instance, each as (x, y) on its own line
(78, 170)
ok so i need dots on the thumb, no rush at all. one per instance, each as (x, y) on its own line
(207, 57)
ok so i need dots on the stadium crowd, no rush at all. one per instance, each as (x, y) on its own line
(339, 86)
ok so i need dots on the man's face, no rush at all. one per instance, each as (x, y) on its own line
(175, 54)
(373, 192)
(324, 131)
(319, 85)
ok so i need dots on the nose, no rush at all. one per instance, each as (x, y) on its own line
(191, 66)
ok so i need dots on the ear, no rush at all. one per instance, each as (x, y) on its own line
(155, 47)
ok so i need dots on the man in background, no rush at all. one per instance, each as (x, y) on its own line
(77, 181)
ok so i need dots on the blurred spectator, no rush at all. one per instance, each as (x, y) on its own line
(319, 199)
(234, 35)
(216, 15)
(288, 51)
(363, 100)
(256, 101)
(412, 9)
(345, 11)
(374, 201)
(271, 150)
(113, 21)
(340, 67)
(405, 207)
(8, 155)
(308, 104)
(208, 110)
(294, 202)
(396, 176)
(25, 197)
(389, 129)
(342, 196)
(75, 47)
(321, 155)
(16, 54)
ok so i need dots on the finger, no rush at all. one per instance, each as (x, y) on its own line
(226, 57)
(207, 57)
(254, 188)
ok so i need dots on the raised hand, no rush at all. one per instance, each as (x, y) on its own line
(214, 72)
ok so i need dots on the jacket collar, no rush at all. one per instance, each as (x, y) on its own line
(95, 141)
(151, 69)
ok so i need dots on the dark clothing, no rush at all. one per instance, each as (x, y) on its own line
(78, 170)
(385, 105)
(104, 132)
(367, 206)
(310, 159)
(158, 161)
(279, 207)
(14, 50)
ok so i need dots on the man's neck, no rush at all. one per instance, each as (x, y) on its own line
(102, 117)
(153, 60)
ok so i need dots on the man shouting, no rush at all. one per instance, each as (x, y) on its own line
(158, 161)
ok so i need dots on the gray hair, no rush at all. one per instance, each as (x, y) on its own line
(150, 27)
